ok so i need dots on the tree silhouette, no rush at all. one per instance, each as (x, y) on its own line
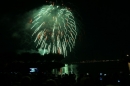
(17, 62)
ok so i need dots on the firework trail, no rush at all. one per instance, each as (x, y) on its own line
(55, 29)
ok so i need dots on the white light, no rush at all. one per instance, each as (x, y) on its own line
(118, 80)
(127, 55)
(105, 74)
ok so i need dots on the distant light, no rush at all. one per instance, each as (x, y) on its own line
(100, 78)
(127, 55)
(105, 74)
(118, 80)
(100, 74)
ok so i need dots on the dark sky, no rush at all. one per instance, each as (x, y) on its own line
(106, 27)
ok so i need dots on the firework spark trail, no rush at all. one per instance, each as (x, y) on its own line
(55, 29)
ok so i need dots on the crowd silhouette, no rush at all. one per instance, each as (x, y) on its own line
(15, 72)
(42, 79)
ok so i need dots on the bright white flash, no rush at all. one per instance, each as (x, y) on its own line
(55, 29)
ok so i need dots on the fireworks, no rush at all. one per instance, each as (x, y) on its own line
(55, 29)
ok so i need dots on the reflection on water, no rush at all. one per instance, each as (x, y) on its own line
(93, 69)
(67, 69)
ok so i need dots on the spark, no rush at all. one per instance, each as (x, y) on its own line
(55, 29)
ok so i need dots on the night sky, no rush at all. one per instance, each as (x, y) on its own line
(106, 27)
